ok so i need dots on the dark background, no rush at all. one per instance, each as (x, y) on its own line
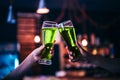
(103, 18)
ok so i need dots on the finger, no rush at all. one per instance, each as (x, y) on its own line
(70, 57)
(80, 46)
(82, 50)
(39, 50)
(69, 60)
(69, 52)
(52, 47)
(51, 51)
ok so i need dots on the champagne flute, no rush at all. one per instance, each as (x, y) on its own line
(68, 34)
(49, 31)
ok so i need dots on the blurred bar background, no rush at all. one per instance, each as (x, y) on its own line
(96, 23)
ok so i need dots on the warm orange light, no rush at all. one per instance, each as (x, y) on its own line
(82, 73)
(43, 10)
(94, 52)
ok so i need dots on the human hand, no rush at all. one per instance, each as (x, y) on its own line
(83, 52)
(37, 52)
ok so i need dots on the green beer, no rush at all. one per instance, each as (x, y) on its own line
(67, 32)
(48, 37)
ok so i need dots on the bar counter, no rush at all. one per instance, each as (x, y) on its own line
(74, 75)
(69, 78)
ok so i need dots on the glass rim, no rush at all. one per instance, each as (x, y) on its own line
(49, 22)
(64, 23)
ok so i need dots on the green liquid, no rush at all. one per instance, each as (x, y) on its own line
(69, 36)
(48, 37)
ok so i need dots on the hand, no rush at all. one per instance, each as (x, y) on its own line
(83, 52)
(37, 52)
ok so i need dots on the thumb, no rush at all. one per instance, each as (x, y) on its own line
(81, 49)
(38, 50)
